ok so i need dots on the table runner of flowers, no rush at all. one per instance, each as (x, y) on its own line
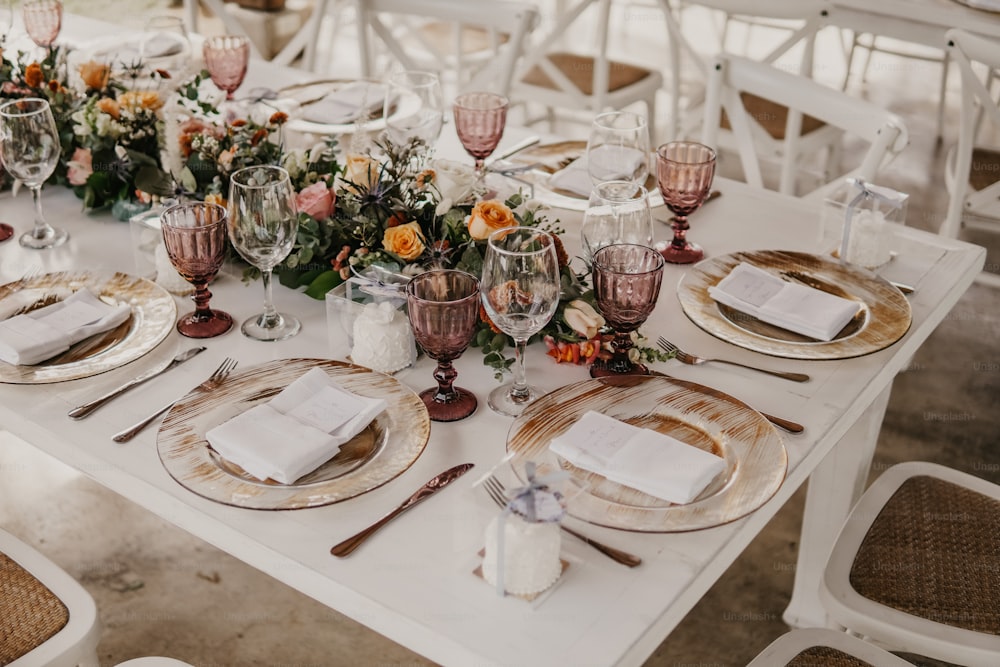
(133, 137)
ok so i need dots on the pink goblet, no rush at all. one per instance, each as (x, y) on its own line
(684, 172)
(194, 235)
(226, 58)
(479, 120)
(444, 310)
(42, 20)
(627, 280)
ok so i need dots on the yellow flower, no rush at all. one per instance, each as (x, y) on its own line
(110, 107)
(487, 217)
(95, 75)
(406, 241)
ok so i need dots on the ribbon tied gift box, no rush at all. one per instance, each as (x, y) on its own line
(859, 215)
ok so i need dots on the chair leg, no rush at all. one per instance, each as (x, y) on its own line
(945, 66)
(850, 60)
(868, 59)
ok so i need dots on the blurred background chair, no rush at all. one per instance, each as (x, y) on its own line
(46, 617)
(470, 45)
(972, 168)
(916, 566)
(584, 82)
(822, 647)
(819, 117)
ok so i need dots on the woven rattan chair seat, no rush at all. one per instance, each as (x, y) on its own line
(934, 552)
(580, 71)
(824, 656)
(985, 169)
(771, 116)
(29, 612)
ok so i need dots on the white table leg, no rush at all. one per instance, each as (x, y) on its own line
(834, 486)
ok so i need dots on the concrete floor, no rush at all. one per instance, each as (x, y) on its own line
(162, 592)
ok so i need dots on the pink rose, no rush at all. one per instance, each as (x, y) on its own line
(317, 200)
(80, 167)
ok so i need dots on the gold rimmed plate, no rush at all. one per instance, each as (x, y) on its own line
(700, 416)
(884, 314)
(387, 447)
(553, 157)
(152, 319)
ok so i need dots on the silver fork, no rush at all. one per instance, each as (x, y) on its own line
(694, 360)
(213, 381)
(498, 493)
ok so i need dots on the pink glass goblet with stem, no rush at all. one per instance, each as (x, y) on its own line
(627, 280)
(443, 306)
(226, 58)
(194, 235)
(42, 21)
(684, 172)
(480, 119)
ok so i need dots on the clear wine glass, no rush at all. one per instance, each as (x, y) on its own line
(684, 172)
(42, 21)
(617, 212)
(166, 44)
(480, 119)
(263, 223)
(226, 58)
(443, 306)
(194, 235)
(618, 148)
(520, 292)
(30, 150)
(413, 107)
(627, 280)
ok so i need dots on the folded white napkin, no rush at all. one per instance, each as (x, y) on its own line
(651, 462)
(297, 431)
(42, 334)
(347, 104)
(615, 163)
(163, 44)
(810, 312)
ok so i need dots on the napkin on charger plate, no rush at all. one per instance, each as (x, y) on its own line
(640, 458)
(41, 334)
(576, 177)
(347, 104)
(798, 308)
(297, 431)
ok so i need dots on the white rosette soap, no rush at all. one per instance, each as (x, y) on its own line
(522, 543)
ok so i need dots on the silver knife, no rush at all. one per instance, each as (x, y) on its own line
(516, 148)
(83, 410)
(426, 491)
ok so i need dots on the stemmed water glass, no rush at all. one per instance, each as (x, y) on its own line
(480, 119)
(226, 58)
(413, 107)
(617, 212)
(30, 149)
(262, 227)
(194, 235)
(443, 305)
(618, 148)
(684, 172)
(42, 21)
(520, 292)
(627, 280)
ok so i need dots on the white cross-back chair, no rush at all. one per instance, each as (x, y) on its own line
(732, 76)
(916, 567)
(398, 29)
(972, 169)
(805, 19)
(585, 79)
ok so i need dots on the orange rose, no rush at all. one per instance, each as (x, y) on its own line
(33, 75)
(110, 107)
(145, 99)
(406, 241)
(487, 217)
(95, 75)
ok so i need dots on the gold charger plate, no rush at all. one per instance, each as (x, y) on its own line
(387, 447)
(153, 315)
(700, 416)
(553, 157)
(883, 319)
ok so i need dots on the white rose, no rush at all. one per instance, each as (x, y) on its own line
(453, 180)
(582, 318)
